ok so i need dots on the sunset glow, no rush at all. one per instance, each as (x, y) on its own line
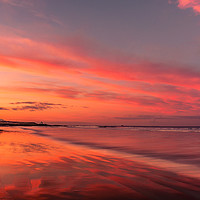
(61, 62)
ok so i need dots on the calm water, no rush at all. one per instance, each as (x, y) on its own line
(99, 163)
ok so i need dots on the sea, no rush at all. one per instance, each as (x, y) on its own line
(99, 162)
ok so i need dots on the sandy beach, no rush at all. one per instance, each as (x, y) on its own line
(37, 167)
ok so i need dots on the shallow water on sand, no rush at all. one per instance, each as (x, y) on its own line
(95, 163)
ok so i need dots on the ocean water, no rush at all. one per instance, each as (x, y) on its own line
(88, 162)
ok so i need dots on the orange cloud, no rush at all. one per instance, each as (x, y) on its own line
(164, 98)
(82, 73)
(194, 4)
(56, 60)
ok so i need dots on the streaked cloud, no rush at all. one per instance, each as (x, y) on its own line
(34, 106)
(158, 117)
(3, 108)
(53, 59)
(32, 6)
(169, 102)
(137, 83)
(18, 3)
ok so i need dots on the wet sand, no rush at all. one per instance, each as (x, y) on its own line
(36, 167)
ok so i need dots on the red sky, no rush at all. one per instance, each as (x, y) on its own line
(122, 62)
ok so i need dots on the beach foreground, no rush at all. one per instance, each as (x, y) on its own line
(41, 163)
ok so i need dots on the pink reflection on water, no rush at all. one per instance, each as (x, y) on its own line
(35, 167)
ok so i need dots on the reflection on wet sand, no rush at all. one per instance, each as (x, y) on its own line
(35, 167)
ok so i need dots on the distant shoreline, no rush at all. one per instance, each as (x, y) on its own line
(13, 123)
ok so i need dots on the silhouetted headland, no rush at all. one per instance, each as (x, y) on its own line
(15, 123)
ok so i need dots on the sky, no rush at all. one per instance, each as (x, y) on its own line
(111, 62)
